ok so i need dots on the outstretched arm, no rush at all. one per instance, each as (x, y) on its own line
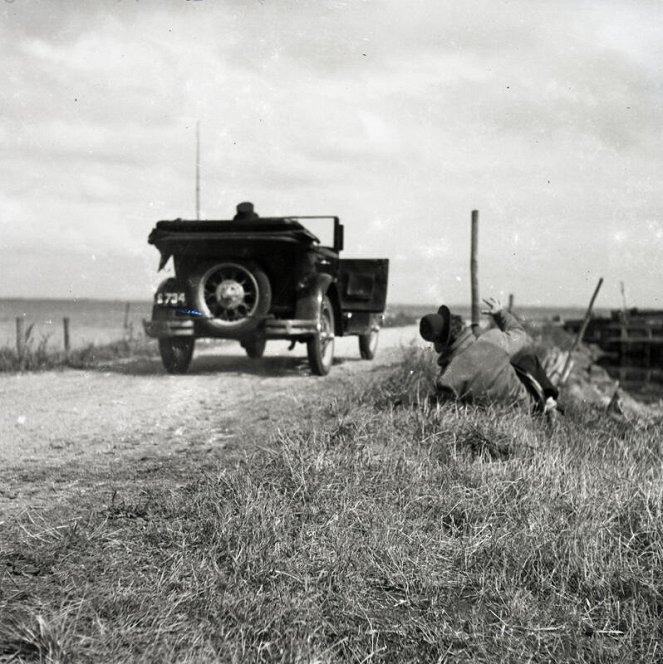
(514, 338)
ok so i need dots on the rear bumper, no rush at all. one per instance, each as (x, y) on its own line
(270, 328)
(159, 329)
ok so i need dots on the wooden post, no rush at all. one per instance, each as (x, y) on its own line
(474, 273)
(127, 306)
(581, 331)
(510, 302)
(67, 344)
(624, 307)
(20, 338)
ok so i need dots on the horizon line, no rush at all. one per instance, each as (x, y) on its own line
(389, 304)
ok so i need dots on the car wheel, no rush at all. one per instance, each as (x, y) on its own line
(320, 348)
(232, 296)
(368, 344)
(255, 348)
(176, 353)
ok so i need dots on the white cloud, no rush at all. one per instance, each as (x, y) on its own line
(399, 117)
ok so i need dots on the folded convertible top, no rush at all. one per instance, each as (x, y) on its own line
(248, 229)
(189, 237)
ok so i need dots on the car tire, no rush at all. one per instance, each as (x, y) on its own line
(320, 348)
(232, 296)
(255, 348)
(176, 353)
(368, 344)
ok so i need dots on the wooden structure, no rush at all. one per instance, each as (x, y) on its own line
(634, 335)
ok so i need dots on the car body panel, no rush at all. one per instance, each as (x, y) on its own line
(363, 284)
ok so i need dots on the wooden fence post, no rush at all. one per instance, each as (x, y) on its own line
(474, 273)
(20, 338)
(624, 307)
(67, 344)
(581, 332)
(127, 306)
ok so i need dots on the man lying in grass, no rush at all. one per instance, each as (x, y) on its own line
(499, 366)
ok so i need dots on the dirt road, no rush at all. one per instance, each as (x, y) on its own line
(135, 411)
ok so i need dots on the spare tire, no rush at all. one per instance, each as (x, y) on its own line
(232, 296)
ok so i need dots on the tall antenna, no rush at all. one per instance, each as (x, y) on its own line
(198, 170)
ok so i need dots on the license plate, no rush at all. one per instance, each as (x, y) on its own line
(170, 299)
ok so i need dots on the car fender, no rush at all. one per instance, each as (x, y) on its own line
(310, 298)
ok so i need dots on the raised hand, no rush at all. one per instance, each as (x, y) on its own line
(493, 306)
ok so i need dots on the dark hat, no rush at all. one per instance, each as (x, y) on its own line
(436, 327)
(245, 212)
(245, 208)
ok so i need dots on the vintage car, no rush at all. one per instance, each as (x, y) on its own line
(263, 278)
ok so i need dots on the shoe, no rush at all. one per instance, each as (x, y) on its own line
(551, 411)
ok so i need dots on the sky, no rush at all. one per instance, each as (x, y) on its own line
(399, 116)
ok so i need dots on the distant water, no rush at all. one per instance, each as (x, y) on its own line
(91, 321)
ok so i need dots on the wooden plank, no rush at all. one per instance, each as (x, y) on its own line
(582, 330)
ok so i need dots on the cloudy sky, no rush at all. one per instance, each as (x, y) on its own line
(400, 116)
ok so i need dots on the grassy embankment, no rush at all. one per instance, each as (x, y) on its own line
(373, 532)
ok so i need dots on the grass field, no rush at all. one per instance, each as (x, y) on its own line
(372, 529)
(38, 356)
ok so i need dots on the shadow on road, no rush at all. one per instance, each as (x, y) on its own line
(208, 363)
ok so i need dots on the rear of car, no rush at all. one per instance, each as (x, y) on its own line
(267, 278)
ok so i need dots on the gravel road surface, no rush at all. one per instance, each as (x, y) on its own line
(134, 410)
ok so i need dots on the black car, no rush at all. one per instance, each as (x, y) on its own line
(263, 278)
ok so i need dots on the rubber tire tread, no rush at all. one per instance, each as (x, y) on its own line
(313, 346)
(365, 350)
(255, 348)
(176, 353)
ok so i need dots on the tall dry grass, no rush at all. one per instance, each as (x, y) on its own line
(39, 356)
(381, 530)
